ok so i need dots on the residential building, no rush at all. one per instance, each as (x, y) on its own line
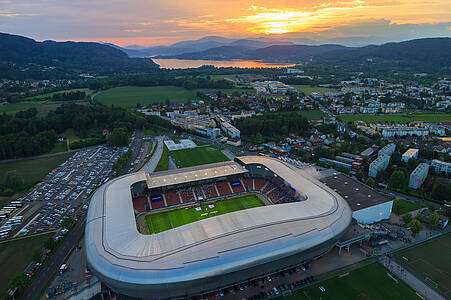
(379, 164)
(230, 130)
(418, 176)
(441, 166)
(410, 153)
(390, 132)
(388, 149)
(207, 131)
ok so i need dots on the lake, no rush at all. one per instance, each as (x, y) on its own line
(186, 63)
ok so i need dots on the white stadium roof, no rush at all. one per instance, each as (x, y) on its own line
(127, 259)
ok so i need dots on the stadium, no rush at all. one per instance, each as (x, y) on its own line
(237, 221)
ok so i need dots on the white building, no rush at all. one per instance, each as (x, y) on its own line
(230, 130)
(389, 132)
(207, 131)
(410, 153)
(388, 149)
(441, 166)
(418, 176)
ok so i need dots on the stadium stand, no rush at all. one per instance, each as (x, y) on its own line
(187, 195)
(237, 187)
(139, 204)
(224, 188)
(172, 198)
(210, 191)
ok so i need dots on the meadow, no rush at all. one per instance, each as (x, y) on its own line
(174, 218)
(16, 255)
(197, 156)
(131, 95)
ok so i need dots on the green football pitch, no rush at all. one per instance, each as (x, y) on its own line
(370, 282)
(197, 156)
(174, 218)
(430, 262)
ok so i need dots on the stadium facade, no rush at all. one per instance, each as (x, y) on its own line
(217, 252)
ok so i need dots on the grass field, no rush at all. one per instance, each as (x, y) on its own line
(15, 256)
(175, 218)
(59, 147)
(47, 95)
(307, 89)
(163, 163)
(429, 260)
(197, 156)
(15, 107)
(131, 95)
(428, 118)
(401, 206)
(70, 134)
(33, 170)
(368, 283)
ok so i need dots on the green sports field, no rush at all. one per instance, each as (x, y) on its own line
(131, 95)
(174, 218)
(428, 118)
(370, 282)
(430, 262)
(197, 156)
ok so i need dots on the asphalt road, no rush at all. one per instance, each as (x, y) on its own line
(53, 265)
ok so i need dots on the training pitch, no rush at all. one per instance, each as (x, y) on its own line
(370, 282)
(430, 261)
(163, 221)
(197, 156)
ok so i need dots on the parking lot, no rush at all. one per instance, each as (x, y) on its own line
(63, 192)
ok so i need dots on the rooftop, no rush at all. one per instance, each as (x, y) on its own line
(357, 194)
(410, 152)
(196, 173)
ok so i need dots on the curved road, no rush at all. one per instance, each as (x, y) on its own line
(153, 161)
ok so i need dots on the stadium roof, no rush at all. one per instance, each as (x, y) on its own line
(357, 194)
(131, 261)
(197, 173)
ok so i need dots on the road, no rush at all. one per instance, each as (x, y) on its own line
(153, 161)
(53, 265)
(405, 197)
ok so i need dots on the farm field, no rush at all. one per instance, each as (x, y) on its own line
(371, 282)
(33, 170)
(428, 118)
(197, 156)
(430, 263)
(174, 218)
(16, 255)
(307, 89)
(132, 95)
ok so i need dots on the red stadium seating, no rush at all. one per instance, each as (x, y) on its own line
(259, 183)
(172, 198)
(187, 195)
(249, 183)
(223, 188)
(210, 191)
(156, 205)
(139, 204)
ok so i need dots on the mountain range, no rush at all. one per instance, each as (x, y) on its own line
(82, 56)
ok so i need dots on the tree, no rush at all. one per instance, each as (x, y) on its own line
(415, 226)
(50, 243)
(397, 179)
(370, 182)
(441, 192)
(434, 219)
(412, 164)
(68, 223)
(259, 138)
(19, 281)
(37, 256)
(407, 218)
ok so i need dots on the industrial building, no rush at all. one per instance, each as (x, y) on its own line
(410, 153)
(230, 130)
(418, 176)
(367, 205)
(221, 251)
(441, 166)
(379, 164)
(388, 149)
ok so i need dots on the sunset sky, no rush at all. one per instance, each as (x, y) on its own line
(162, 22)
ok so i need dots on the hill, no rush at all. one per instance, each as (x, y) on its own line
(18, 52)
(427, 54)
